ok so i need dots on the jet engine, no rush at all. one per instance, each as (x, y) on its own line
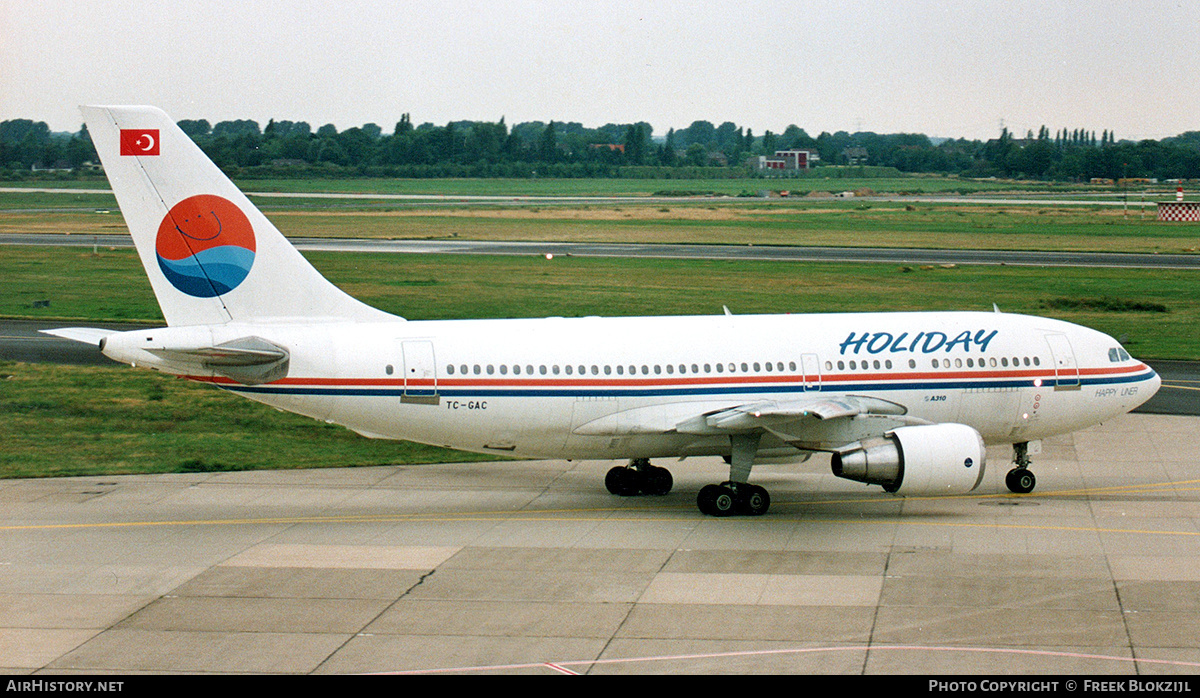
(919, 460)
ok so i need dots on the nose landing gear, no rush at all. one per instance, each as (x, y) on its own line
(1020, 479)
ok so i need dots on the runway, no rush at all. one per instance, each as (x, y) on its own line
(766, 253)
(532, 568)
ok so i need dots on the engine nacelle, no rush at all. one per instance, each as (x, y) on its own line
(921, 460)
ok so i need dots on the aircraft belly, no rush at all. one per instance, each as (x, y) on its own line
(314, 406)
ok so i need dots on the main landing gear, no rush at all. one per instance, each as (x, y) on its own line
(733, 497)
(730, 498)
(639, 477)
(1020, 479)
(737, 495)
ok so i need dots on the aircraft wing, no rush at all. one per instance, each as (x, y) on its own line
(819, 423)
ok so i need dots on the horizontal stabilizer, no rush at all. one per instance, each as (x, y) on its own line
(248, 360)
(87, 335)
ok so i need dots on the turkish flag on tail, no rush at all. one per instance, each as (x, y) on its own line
(139, 141)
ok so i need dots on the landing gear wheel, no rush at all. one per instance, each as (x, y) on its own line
(638, 478)
(657, 481)
(731, 498)
(716, 500)
(623, 482)
(1020, 480)
(754, 500)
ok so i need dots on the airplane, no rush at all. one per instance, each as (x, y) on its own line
(905, 400)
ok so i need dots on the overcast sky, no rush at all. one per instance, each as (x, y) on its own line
(944, 68)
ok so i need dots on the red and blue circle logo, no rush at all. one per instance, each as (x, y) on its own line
(205, 246)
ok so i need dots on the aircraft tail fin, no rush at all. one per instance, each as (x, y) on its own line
(211, 255)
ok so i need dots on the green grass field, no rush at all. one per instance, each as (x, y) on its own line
(777, 222)
(73, 420)
(112, 286)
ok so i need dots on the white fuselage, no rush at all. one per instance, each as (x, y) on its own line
(585, 388)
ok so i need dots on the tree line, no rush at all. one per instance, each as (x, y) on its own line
(568, 149)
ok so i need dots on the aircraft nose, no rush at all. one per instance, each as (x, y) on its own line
(1154, 382)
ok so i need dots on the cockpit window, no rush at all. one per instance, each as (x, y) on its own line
(1117, 354)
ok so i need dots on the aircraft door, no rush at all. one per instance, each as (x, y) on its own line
(420, 371)
(1066, 371)
(812, 371)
